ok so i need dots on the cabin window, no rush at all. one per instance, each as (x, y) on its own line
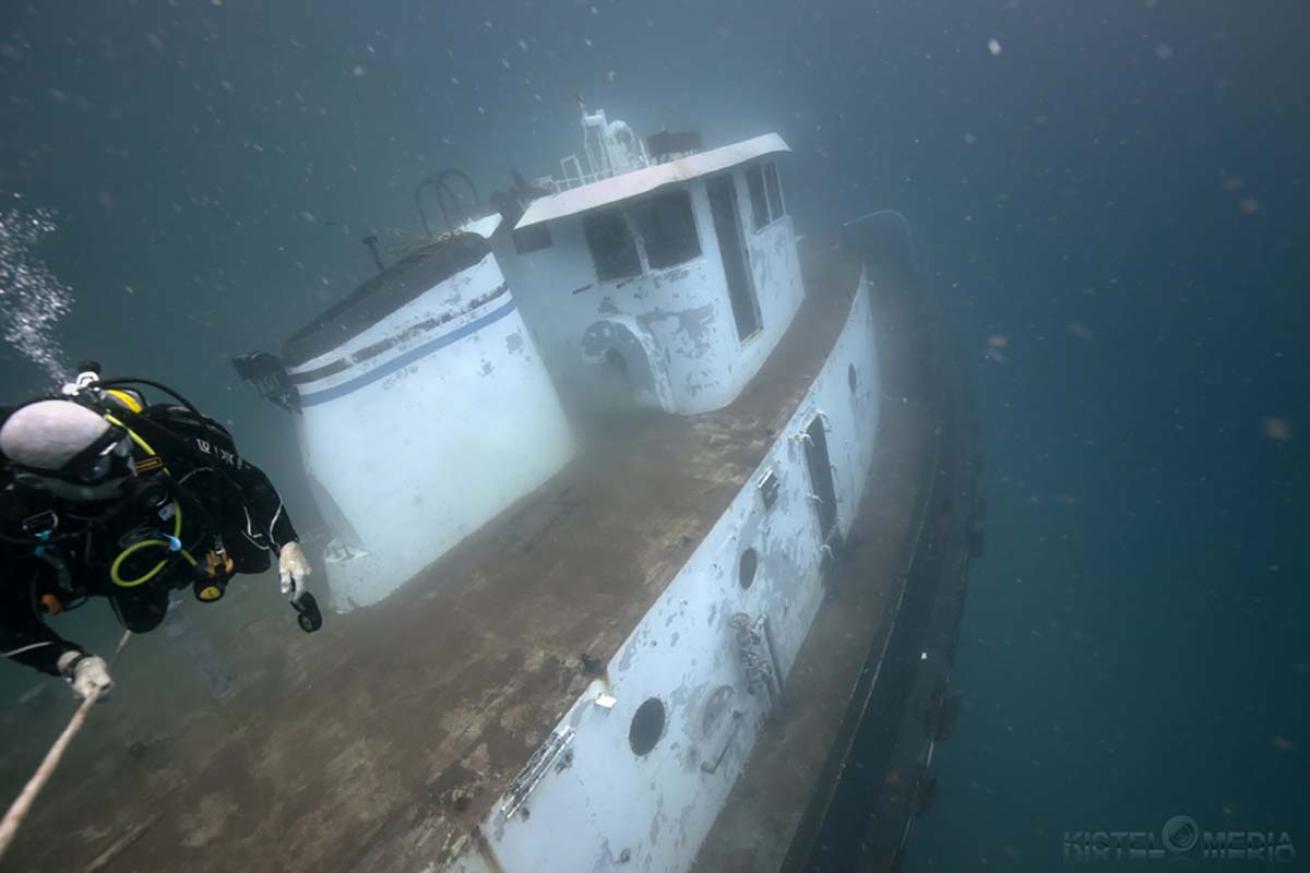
(532, 238)
(612, 246)
(759, 204)
(667, 229)
(777, 209)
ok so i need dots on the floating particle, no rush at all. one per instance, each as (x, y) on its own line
(997, 341)
(1248, 206)
(1233, 183)
(357, 71)
(1284, 745)
(611, 76)
(1277, 429)
(994, 46)
(970, 138)
(1082, 331)
(504, 62)
(523, 44)
(1164, 52)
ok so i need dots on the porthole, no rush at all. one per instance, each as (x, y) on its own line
(647, 726)
(746, 568)
(852, 379)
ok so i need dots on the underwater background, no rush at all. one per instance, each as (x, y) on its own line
(1113, 199)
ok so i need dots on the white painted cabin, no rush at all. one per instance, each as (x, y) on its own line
(664, 284)
(425, 411)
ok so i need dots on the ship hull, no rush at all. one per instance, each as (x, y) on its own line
(457, 725)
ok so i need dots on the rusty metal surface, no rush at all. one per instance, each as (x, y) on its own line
(379, 742)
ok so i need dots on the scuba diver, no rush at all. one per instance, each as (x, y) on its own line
(102, 494)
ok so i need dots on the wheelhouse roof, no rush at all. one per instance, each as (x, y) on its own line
(643, 181)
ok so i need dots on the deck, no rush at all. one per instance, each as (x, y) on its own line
(381, 741)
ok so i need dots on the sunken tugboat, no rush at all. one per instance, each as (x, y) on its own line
(648, 523)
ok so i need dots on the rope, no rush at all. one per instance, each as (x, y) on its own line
(23, 805)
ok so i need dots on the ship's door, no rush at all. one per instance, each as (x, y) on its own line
(816, 458)
(732, 248)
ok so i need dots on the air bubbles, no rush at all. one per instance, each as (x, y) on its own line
(32, 300)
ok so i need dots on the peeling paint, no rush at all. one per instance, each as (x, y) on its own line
(685, 308)
(661, 805)
(340, 439)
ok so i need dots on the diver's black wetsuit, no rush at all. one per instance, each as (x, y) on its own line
(54, 554)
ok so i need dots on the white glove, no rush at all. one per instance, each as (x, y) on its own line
(86, 673)
(292, 568)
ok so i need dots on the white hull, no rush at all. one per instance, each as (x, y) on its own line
(591, 802)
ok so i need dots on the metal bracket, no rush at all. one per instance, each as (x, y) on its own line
(536, 768)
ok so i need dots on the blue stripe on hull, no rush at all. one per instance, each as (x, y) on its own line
(337, 391)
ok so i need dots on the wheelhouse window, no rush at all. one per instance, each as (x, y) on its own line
(612, 246)
(759, 204)
(777, 209)
(667, 228)
(532, 238)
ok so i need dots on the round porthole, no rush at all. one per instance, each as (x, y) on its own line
(747, 567)
(647, 726)
(852, 379)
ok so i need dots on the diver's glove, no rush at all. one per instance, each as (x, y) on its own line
(86, 673)
(292, 568)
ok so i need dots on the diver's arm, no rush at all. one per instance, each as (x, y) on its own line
(265, 504)
(266, 513)
(24, 637)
